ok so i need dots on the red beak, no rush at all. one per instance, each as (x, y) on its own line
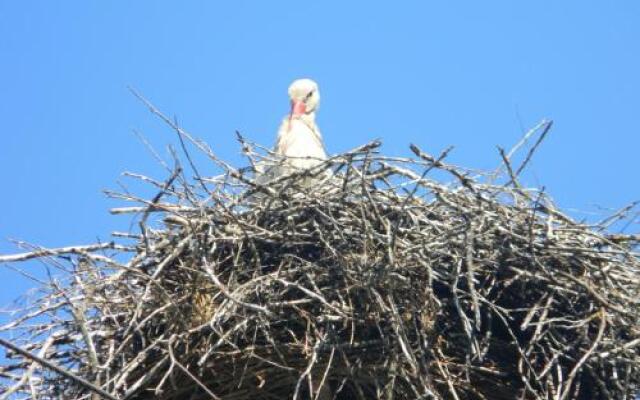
(297, 108)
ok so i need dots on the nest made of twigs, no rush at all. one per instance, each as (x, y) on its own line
(375, 283)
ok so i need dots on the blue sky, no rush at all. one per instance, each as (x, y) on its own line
(464, 73)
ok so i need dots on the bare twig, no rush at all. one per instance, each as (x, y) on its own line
(47, 364)
(376, 281)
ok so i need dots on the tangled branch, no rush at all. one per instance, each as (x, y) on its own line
(377, 281)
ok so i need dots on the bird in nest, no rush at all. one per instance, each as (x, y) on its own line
(299, 140)
(299, 144)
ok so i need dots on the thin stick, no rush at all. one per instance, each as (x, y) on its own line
(545, 130)
(57, 251)
(58, 369)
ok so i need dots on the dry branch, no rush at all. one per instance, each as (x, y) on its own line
(376, 283)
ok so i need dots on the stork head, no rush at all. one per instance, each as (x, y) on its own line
(304, 96)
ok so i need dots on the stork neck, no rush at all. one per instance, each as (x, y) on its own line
(309, 118)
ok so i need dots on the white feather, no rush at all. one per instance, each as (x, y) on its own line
(300, 143)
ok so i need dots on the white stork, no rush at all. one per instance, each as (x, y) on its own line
(299, 140)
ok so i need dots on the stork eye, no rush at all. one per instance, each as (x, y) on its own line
(308, 96)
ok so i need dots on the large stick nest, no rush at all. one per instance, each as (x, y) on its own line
(377, 282)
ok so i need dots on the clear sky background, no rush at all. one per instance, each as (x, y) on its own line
(465, 73)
